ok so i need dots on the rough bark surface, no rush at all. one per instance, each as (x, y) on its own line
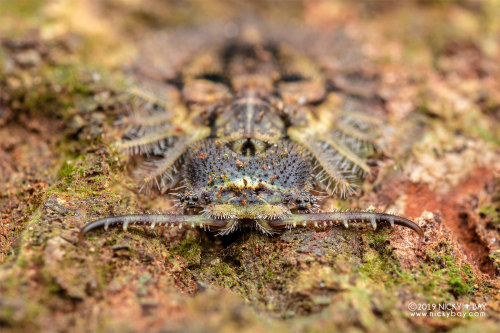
(60, 83)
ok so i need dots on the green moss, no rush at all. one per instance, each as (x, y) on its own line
(189, 250)
(222, 274)
(20, 313)
(70, 77)
(439, 279)
(459, 279)
(53, 288)
(7, 315)
(87, 176)
(222, 269)
(67, 171)
(491, 212)
(22, 8)
(378, 263)
(379, 268)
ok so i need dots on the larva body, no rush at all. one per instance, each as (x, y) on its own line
(250, 132)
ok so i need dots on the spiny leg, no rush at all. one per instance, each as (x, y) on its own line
(152, 220)
(362, 117)
(352, 131)
(353, 138)
(345, 151)
(148, 109)
(149, 97)
(145, 144)
(145, 111)
(340, 145)
(152, 170)
(322, 157)
(153, 112)
(230, 226)
(345, 218)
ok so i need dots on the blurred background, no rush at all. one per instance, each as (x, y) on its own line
(417, 30)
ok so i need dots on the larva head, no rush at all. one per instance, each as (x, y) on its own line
(247, 179)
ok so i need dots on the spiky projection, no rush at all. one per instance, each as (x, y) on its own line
(249, 131)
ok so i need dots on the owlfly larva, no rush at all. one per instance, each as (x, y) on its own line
(250, 130)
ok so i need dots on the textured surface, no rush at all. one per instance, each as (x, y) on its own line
(290, 169)
(253, 126)
(438, 73)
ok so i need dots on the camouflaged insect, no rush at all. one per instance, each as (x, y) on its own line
(248, 128)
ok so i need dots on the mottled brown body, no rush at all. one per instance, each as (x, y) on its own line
(251, 129)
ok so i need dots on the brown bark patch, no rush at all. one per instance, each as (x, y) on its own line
(459, 210)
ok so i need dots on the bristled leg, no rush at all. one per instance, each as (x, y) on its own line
(153, 220)
(325, 219)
